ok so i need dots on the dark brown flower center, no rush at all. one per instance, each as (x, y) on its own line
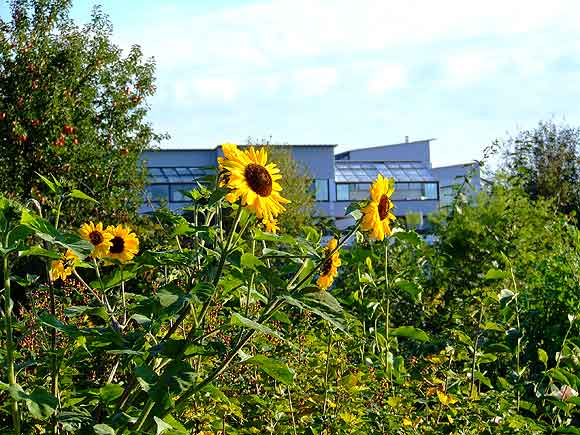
(96, 238)
(118, 244)
(259, 179)
(384, 207)
(327, 266)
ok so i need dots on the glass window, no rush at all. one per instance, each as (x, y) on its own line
(177, 192)
(430, 190)
(342, 192)
(321, 189)
(157, 192)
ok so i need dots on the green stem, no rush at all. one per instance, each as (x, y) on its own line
(10, 344)
(388, 312)
(146, 410)
(326, 371)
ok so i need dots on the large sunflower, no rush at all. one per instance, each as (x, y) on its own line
(124, 244)
(100, 238)
(330, 266)
(63, 267)
(250, 177)
(377, 214)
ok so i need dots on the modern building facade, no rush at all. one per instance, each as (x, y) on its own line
(338, 178)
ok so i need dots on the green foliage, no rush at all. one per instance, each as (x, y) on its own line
(545, 162)
(72, 104)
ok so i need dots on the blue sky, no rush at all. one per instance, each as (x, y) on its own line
(355, 72)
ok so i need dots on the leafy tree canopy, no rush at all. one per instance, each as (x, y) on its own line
(73, 105)
(545, 162)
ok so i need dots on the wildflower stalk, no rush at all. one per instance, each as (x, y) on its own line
(326, 371)
(8, 305)
(270, 310)
(388, 311)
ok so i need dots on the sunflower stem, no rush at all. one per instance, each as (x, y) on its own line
(8, 305)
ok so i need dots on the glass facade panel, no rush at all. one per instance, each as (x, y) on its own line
(157, 192)
(342, 192)
(403, 191)
(430, 190)
(177, 192)
(321, 189)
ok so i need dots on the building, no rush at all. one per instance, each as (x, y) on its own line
(338, 178)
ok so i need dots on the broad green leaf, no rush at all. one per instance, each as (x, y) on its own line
(414, 290)
(103, 429)
(75, 193)
(161, 426)
(410, 332)
(239, 320)
(543, 356)
(37, 251)
(44, 230)
(495, 274)
(41, 404)
(320, 303)
(273, 368)
(250, 261)
(110, 392)
(113, 280)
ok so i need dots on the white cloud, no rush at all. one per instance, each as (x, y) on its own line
(312, 82)
(388, 77)
(220, 89)
(468, 68)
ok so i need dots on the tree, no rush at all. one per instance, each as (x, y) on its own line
(296, 184)
(72, 105)
(545, 162)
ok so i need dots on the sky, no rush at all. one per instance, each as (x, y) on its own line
(355, 72)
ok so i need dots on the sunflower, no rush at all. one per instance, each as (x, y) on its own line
(271, 225)
(330, 266)
(64, 266)
(124, 244)
(377, 214)
(250, 177)
(99, 238)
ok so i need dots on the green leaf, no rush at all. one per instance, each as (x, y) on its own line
(161, 426)
(41, 404)
(103, 429)
(110, 392)
(114, 279)
(543, 356)
(47, 232)
(75, 311)
(495, 274)
(320, 303)
(410, 332)
(273, 368)
(414, 290)
(75, 193)
(239, 320)
(250, 261)
(37, 251)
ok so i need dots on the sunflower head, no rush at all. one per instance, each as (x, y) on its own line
(63, 267)
(330, 267)
(124, 243)
(377, 214)
(99, 237)
(252, 179)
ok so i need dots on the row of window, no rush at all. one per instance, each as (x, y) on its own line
(344, 191)
(403, 191)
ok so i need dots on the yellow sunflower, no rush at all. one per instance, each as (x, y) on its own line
(124, 244)
(63, 267)
(330, 266)
(100, 238)
(271, 225)
(250, 177)
(377, 214)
